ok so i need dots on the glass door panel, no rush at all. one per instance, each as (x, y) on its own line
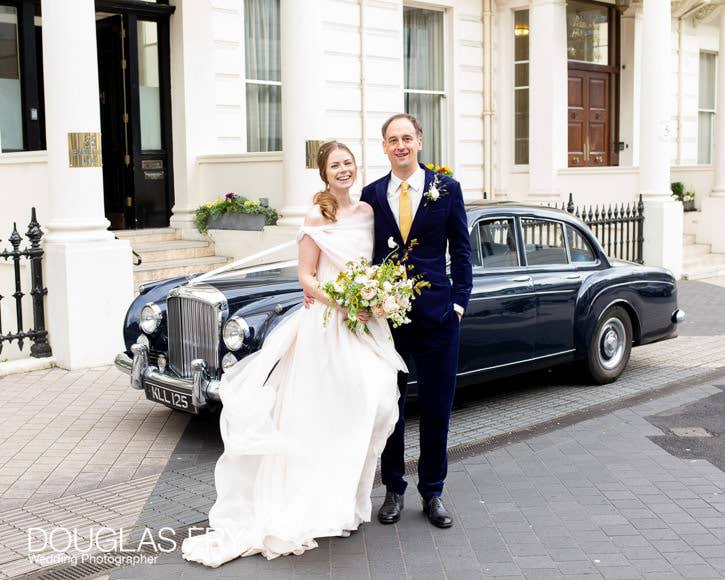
(11, 112)
(148, 85)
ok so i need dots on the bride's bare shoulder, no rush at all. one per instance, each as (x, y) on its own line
(365, 208)
(314, 217)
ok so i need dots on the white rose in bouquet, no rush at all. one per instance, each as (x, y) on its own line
(390, 305)
(368, 293)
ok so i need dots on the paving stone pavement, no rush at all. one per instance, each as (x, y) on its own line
(65, 432)
(91, 422)
(596, 499)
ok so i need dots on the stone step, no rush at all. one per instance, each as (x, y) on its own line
(695, 250)
(688, 239)
(704, 273)
(172, 268)
(706, 261)
(166, 251)
(148, 235)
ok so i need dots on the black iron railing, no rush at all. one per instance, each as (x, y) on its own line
(619, 228)
(136, 256)
(34, 253)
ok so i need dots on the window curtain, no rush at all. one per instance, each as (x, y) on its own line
(424, 71)
(263, 63)
(706, 104)
(11, 117)
(521, 87)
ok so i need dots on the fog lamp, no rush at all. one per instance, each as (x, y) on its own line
(228, 361)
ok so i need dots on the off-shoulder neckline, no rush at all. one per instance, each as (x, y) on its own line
(341, 220)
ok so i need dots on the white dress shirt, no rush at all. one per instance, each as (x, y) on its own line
(416, 183)
(415, 191)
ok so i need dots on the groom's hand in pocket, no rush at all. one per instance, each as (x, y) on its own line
(459, 311)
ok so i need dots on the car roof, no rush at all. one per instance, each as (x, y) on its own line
(480, 208)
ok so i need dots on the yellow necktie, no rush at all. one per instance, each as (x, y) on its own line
(405, 211)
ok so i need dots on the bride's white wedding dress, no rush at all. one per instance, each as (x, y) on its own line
(301, 444)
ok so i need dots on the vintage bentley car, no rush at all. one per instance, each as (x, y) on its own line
(544, 293)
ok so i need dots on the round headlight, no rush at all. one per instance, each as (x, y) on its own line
(143, 340)
(228, 361)
(150, 318)
(235, 331)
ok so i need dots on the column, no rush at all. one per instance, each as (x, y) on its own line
(89, 273)
(303, 102)
(713, 206)
(663, 216)
(547, 97)
(193, 105)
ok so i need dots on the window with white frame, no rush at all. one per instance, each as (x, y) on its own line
(263, 79)
(11, 112)
(424, 85)
(706, 107)
(521, 87)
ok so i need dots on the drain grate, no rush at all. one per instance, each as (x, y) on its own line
(690, 432)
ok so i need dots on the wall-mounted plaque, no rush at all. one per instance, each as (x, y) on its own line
(84, 150)
(152, 164)
(153, 175)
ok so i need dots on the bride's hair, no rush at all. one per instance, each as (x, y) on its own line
(325, 199)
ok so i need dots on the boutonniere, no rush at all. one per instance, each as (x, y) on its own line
(435, 190)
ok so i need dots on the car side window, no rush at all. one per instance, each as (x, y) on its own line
(579, 248)
(494, 244)
(544, 242)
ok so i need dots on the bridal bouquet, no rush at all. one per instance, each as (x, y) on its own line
(384, 289)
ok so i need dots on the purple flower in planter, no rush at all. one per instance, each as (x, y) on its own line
(230, 196)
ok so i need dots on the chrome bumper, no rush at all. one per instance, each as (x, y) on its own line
(143, 375)
(678, 316)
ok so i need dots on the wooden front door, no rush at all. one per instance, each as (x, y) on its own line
(589, 118)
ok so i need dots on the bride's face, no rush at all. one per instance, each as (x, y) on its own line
(341, 170)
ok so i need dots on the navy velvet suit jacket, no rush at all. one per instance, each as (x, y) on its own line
(436, 224)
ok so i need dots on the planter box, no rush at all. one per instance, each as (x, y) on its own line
(238, 221)
(689, 205)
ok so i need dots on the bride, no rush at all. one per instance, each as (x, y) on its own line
(305, 419)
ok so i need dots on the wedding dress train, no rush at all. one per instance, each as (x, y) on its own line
(304, 421)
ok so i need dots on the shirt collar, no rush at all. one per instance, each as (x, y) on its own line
(416, 181)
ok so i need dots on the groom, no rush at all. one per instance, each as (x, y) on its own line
(413, 203)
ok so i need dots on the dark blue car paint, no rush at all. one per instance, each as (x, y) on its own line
(511, 325)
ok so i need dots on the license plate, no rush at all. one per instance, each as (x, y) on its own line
(170, 398)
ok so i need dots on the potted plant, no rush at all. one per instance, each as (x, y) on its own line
(442, 169)
(688, 200)
(687, 197)
(234, 212)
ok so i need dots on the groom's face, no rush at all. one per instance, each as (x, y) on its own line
(401, 145)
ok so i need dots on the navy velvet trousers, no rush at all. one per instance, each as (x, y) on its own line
(435, 353)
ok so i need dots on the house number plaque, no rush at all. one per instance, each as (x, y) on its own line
(84, 149)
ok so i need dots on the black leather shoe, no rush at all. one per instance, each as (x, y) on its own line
(437, 513)
(389, 512)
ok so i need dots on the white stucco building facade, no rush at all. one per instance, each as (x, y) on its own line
(526, 100)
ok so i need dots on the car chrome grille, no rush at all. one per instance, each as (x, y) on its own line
(194, 327)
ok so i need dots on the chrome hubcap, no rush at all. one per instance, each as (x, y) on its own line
(612, 339)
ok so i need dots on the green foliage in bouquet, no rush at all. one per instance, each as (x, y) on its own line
(385, 290)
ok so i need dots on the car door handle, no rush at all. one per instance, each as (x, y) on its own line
(573, 277)
(521, 279)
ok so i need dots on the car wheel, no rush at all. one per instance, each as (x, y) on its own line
(610, 346)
